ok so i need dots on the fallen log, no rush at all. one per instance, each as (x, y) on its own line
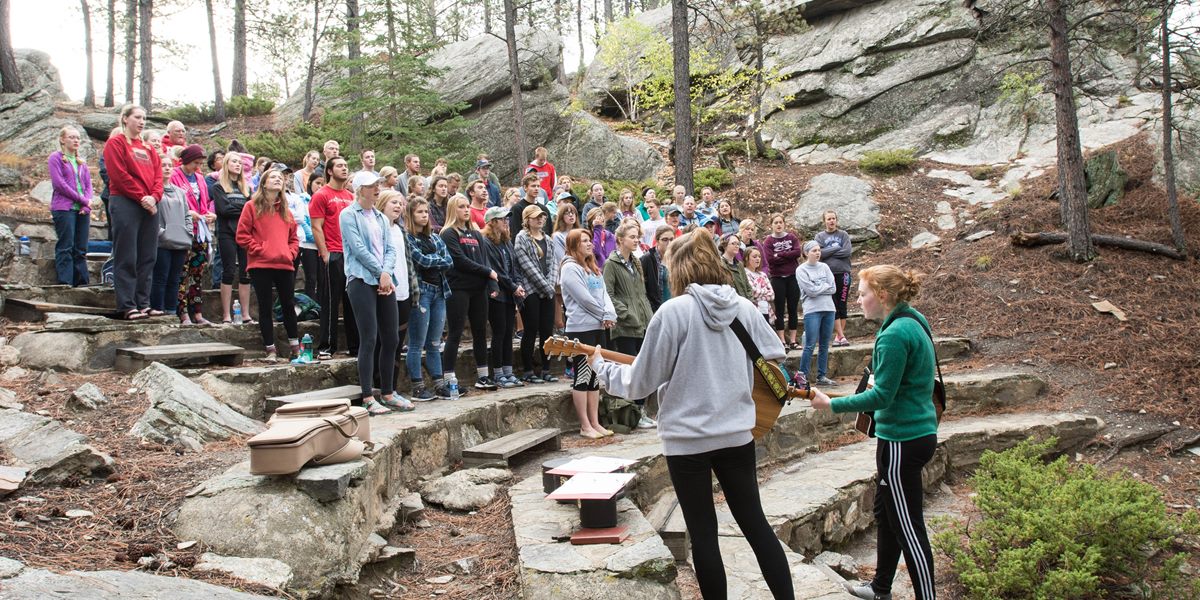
(1030, 240)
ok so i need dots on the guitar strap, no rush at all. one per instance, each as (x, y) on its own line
(942, 399)
(779, 388)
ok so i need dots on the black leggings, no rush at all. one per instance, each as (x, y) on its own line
(538, 315)
(502, 316)
(377, 320)
(233, 261)
(331, 295)
(310, 260)
(841, 294)
(691, 475)
(899, 514)
(264, 281)
(787, 296)
(462, 306)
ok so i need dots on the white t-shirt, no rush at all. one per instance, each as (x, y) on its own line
(400, 271)
(649, 228)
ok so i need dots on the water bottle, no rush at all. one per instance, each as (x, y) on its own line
(237, 312)
(24, 250)
(306, 348)
(453, 387)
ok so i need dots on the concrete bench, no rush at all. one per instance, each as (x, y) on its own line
(348, 392)
(131, 360)
(500, 450)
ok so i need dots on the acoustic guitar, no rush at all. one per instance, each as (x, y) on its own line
(767, 402)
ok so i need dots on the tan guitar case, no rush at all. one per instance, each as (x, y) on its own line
(325, 408)
(292, 441)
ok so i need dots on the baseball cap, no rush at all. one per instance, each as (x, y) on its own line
(483, 163)
(281, 167)
(362, 178)
(496, 212)
(671, 208)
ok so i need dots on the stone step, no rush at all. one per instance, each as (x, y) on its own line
(744, 578)
(550, 569)
(824, 499)
(970, 391)
(39, 584)
(849, 360)
(134, 359)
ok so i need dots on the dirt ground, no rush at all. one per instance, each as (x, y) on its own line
(1020, 306)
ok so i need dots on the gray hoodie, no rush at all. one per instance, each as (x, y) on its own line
(816, 287)
(585, 299)
(705, 401)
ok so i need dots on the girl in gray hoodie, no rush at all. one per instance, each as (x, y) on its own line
(706, 411)
(590, 314)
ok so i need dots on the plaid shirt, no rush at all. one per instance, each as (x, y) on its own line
(530, 265)
(439, 260)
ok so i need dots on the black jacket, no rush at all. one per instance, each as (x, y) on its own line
(228, 208)
(516, 222)
(500, 258)
(650, 262)
(471, 271)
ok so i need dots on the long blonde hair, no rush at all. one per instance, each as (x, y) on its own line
(452, 221)
(226, 178)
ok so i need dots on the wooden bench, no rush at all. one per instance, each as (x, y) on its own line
(131, 360)
(667, 519)
(19, 309)
(347, 392)
(500, 450)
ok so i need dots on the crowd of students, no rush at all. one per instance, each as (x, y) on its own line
(400, 257)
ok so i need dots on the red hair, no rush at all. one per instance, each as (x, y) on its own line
(587, 260)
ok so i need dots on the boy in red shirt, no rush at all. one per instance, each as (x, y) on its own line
(326, 205)
(545, 171)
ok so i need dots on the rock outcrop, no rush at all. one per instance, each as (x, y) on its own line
(182, 413)
(28, 126)
(49, 452)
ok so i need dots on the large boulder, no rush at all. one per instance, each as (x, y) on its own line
(38, 584)
(53, 350)
(851, 197)
(469, 489)
(29, 113)
(475, 71)
(182, 413)
(578, 143)
(601, 82)
(49, 452)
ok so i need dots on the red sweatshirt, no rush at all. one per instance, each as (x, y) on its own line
(134, 170)
(270, 241)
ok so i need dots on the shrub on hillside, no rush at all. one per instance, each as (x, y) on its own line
(613, 187)
(237, 106)
(1066, 532)
(713, 177)
(249, 106)
(887, 161)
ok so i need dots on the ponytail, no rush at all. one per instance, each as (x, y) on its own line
(895, 284)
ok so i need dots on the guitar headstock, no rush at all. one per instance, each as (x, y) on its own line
(560, 346)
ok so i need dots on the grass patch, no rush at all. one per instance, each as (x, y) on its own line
(888, 161)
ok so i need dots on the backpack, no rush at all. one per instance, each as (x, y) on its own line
(619, 414)
(307, 309)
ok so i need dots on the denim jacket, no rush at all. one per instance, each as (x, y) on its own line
(361, 262)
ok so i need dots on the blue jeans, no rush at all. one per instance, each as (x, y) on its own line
(425, 324)
(70, 251)
(164, 290)
(818, 326)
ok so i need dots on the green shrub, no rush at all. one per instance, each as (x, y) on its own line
(888, 161)
(248, 106)
(288, 146)
(626, 126)
(982, 172)
(738, 147)
(712, 177)
(613, 187)
(1065, 532)
(191, 113)
(983, 262)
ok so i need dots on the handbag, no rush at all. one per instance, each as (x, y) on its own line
(864, 422)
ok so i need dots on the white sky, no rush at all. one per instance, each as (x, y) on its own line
(176, 80)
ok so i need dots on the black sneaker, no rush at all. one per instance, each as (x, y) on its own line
(485, 383)
(442, 391)
(421, 393)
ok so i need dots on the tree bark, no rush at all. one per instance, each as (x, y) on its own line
(608, 13)
(1030, 240)
(130, 47)
(389, 12)
(487, 16)
(628, 7)
(1071, 180)
(89, 94)
(10, 78)
(312, 61)
(432, 15)
(681, 45)
(1168, 129)
(218, 95)
(238, 84)
(354, 53)
(109, 98)
(146, 10)
(579, 28)
(514, 73)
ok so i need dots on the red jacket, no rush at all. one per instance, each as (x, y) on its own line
(134, 170)
(270, 241)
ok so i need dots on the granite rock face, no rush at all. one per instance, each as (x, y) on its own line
(182, 413)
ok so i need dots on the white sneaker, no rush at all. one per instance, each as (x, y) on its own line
(646, 423)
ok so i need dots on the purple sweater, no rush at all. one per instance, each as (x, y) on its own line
(781, 254)
(62, 179)
(603, 244)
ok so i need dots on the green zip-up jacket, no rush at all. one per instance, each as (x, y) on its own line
(628, 292)
(741, 283)
(903, 363)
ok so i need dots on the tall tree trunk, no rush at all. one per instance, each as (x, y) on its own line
(389, 12)
(487, 16)
(1168, 131)
(10, 78)
(130, 47)
(109, 98)
(239, 49)
(681, 45)
(628, 7)
(312, 61)
(1072, 190)
(146, 16)
(354, 53)
(89, 94)
(514, 75)
(608, 13)
(218, 95)
(579, 28)
(433, 16)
